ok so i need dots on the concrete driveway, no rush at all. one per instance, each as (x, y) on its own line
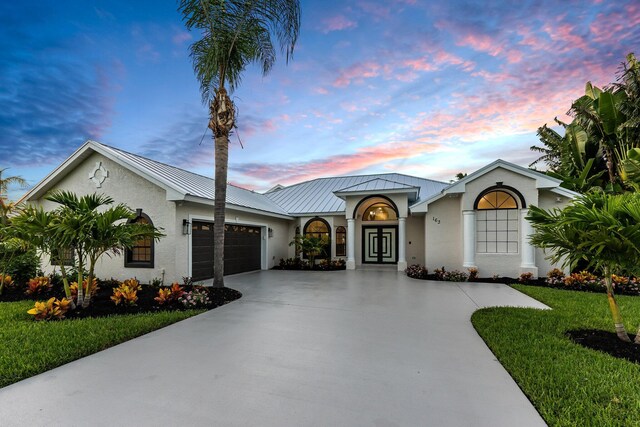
(347, 348)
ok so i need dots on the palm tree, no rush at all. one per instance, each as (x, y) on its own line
(92, 230)
(235, 33)
(5, 206)
(601, 229)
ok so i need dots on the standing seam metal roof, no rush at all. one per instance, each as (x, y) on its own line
(316, 196)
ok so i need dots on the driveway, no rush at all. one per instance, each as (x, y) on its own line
(347, 348)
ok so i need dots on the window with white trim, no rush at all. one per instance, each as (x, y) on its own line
(497, 223)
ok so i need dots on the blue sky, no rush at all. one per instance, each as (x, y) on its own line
(428, 88)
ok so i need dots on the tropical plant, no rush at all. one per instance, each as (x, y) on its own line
(599, 228)
(38, 285)
(92, 229)
(5, 206)
(198, 297)
(234, 33)
(51, 309)
(605, 127)
(311, 246)
(125, 294)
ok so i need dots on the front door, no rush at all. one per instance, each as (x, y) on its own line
(379, 244)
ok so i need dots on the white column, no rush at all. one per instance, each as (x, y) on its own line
(402, 244)
(528, 252)
(351, 244)
(469, 238)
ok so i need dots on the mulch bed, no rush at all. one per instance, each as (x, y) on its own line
(607, 342)
(101, 304)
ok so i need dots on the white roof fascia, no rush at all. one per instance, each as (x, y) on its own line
(343, 194)
(173, 193)
(209, 202)
(314, 214)
(565, 192)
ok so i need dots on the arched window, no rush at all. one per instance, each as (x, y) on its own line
(341, 241)
(379, 212)
(496, 222)
(319, 228)
(141, 255)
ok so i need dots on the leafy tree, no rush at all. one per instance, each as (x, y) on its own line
(595, 145)
(600, 228)
(234, 33)
(7, 207)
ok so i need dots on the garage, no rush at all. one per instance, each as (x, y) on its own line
(242, 249)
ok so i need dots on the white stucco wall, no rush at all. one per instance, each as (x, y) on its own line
(136, 192)
(443, 234)
(549, 200)
(415, 239)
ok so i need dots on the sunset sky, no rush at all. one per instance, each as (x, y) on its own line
(427, 88)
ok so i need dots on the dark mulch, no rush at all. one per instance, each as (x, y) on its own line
(607, 342)
(101, 304)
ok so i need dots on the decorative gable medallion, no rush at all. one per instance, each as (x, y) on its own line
(98, 175)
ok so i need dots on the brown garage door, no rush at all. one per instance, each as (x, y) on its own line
(242, 249)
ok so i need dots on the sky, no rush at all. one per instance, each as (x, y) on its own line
(426, 88)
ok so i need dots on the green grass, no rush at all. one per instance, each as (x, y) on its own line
(28, 347)
(568, 384)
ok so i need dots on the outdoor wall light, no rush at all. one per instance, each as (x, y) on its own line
(186, 227)
(270, 231)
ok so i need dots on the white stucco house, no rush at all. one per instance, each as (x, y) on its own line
(391, 218)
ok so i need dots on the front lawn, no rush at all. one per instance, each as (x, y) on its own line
(569, 385)
(28, 347)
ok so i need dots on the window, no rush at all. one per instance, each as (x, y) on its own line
(64, 256)
(141, 254)
(319, 228)
(379, 212)
(497, 223)
(341, 241)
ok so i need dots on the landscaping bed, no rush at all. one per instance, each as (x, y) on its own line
(568, 383)
(302, 264)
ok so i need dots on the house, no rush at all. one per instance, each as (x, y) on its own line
(478, 221)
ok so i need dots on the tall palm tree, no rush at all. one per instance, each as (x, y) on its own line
(235, 33)
(601, 229)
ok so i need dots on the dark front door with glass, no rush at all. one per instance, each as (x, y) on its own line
(380, 244)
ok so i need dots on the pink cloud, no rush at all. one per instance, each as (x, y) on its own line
(321, 91)
(337, 23)
(181, 37)
(357, 73)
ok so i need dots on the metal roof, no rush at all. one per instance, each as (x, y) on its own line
(376, 185)
(193, 184)
(316, 196)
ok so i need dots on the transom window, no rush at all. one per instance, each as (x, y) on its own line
(497, 223)
(379, 212)
(141, 254)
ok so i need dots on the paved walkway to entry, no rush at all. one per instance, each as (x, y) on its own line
(347, 348)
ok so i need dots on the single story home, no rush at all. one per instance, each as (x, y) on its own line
(478, 221)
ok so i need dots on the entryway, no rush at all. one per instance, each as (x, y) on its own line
(379, 244)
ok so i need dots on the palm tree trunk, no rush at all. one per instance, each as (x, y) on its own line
(87, 295)
(65, 283)
(615, 310)
(222, 121)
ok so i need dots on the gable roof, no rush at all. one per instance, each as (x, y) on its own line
(543, 182)
(179, 183)
(317, 196)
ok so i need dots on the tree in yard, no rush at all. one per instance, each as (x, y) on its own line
(311, 246)
(235, 33)
(89, 227)
(7, 207)
(606, 125)
(600, 228)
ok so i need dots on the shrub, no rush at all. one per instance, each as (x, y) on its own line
(473, 273)
(327, 265)
(73, 287)
(22, 267)
(169, 295)
(8, 281)
(440, 273)
(555, 277)
(526, 278)
(38, 285)
(454, 276)
(583, 281)
(52, 309)
(156, 282)
(198, 297)
(293, 264)
(416, 271)
(133, 284)
(126, 294)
